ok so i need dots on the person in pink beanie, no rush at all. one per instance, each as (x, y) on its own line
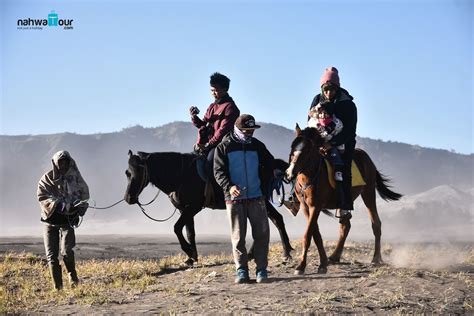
(346, 111)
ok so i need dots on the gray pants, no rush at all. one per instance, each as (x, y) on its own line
(55, 236)
(256, 212)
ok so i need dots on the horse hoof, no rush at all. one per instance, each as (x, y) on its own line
(287, 258)
(299, 272)
(189, 262)
(377, 262)
(333, 260)
(322, 270)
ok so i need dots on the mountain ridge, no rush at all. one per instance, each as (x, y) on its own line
(102, 159)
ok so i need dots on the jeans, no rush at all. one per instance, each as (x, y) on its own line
(347, 174)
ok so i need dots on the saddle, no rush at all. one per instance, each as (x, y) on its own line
(357, 179)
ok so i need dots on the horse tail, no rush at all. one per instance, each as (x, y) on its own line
(384, 189)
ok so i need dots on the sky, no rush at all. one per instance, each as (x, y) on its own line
(408, 64)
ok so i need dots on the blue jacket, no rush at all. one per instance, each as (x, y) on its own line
(241, 164)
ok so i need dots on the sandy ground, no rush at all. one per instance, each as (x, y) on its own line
(429, 278)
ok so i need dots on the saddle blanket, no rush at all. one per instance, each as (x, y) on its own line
(357, 179)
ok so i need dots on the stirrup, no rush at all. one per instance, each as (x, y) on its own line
(342, 213)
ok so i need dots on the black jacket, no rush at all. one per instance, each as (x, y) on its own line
(345, 110)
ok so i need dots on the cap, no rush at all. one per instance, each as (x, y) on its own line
(246, 121)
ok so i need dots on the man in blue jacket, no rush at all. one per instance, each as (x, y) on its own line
(238, 163)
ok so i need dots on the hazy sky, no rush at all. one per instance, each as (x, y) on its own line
(407, 63)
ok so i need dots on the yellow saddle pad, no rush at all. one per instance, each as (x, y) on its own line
(357, 179)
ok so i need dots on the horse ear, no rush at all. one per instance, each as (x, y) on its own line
(130, 153)
(143, 155)
(298, 130)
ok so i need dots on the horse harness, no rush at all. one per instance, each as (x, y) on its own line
(314, 181)
(144, 183)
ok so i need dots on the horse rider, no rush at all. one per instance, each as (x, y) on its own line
(238, 164)
(218, 120)
(62, 194)
(343, 107)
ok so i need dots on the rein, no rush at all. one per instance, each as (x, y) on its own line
(145, 182)
(276, 184)
(112, 205)
(141, 206)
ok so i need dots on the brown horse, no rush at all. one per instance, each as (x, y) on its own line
(315, 193)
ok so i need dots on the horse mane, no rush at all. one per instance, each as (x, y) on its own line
(308, 133)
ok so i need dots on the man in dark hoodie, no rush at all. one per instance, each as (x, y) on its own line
(346, 111)
(62, 194)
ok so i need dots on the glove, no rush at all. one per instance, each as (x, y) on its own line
(82, 210)
(323, 150)
(79, 207)
(193, 110)
(63, 207)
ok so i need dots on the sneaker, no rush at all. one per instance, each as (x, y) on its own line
(242, 276)
(262, 275)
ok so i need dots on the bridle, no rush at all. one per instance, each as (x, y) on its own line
(145, 178)
(144, 183)
(313, 180)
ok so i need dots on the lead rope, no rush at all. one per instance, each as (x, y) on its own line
(154, 219)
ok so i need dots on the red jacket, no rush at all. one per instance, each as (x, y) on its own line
(219, 119)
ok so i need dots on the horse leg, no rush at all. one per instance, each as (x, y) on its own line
(318, 240)
(344, 228)
(178, 230)
(302, 265)
(368, 196)
(277, 220)
(191, 234)
(312, 231)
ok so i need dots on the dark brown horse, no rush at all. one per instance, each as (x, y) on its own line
(176, 175)
(315, 193)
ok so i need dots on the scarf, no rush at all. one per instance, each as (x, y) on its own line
(241, 137)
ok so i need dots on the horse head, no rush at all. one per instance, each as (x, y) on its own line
(304, 149)
(137, 176)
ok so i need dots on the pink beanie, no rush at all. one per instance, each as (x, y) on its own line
(330, 75)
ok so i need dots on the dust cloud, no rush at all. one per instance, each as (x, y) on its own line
(436, 257)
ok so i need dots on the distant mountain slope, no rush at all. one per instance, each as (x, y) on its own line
(102, 159)
(443, 210)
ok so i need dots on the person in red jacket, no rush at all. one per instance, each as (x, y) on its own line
(219, 118)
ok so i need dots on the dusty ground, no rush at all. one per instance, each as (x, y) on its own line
(421, 278)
